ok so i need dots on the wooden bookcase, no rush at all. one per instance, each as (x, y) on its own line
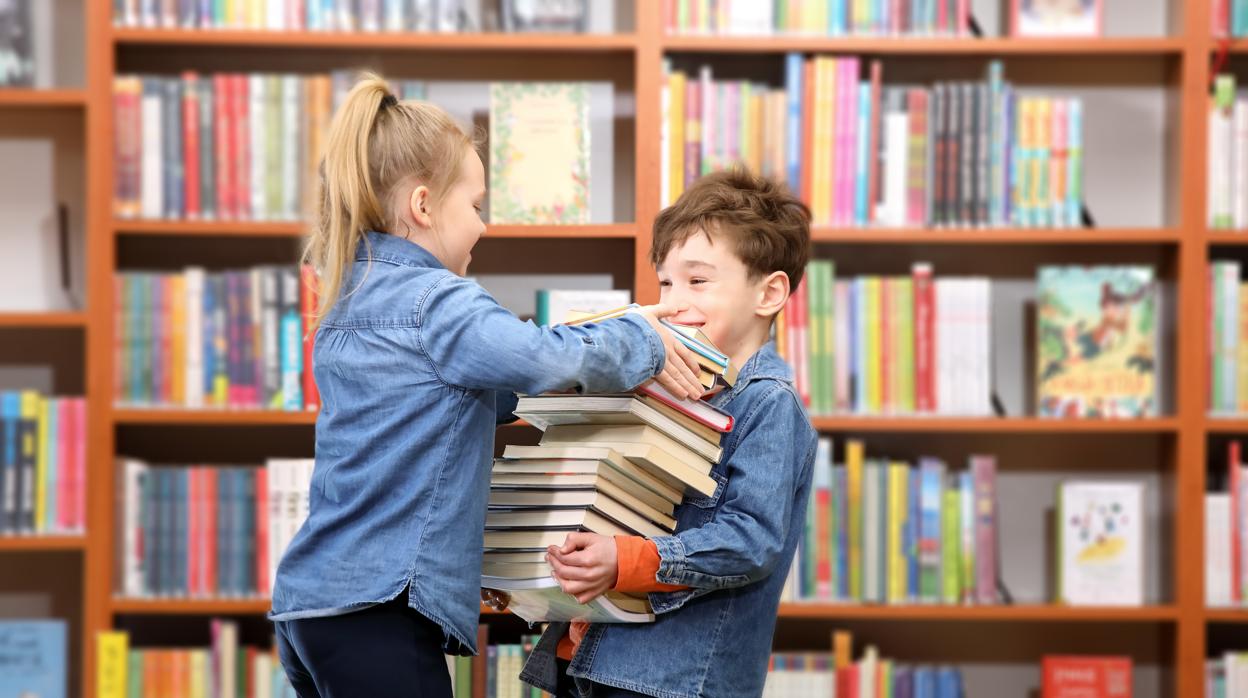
(1184, 242)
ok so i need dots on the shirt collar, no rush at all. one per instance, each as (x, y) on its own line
(763, 364)
(390, 248)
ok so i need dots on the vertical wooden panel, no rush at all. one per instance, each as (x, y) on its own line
(649, 113)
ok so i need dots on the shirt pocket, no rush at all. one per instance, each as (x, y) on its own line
(702, 509)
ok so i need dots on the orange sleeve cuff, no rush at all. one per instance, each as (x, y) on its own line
(638, 560)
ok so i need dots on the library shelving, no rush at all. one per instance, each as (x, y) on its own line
(633, 60)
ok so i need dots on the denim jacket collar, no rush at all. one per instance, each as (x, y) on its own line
(391, 248)
(763, 364)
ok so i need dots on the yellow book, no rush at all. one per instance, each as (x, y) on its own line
(898, 499)
(782, 340)
(259, 17)
(110, 668)
(818, 17)
(198, 674)
(842, 649)
(44, 408)
(1044, 144)
(874, 398)
(676, 128)
(853, 465)
(29, 449)
(1242, 364)
(177, 339)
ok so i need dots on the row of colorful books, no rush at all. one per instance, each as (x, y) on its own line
(1226, 533)
(881, 531)
(890, 345)
(861, 154)
(206, 531)
(1227, 676)
(43, 464)
(1228, 156)
(1227, 331)
(495, 671)
(1230, 18)
(224, 669)
(817, 17)
(200, 339)
(293, 15)
(814, 675)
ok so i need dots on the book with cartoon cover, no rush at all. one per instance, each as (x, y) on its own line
(1100, 542)
(1096, 338)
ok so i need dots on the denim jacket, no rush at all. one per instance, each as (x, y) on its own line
(733, 549)
(408, 364)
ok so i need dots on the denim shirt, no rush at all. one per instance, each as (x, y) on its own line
(408, 364)
(733, 549)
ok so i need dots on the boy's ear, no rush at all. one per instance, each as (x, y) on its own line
(418, 205)
(775, 291)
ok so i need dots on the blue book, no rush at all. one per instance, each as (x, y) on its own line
(208, 337)
(181, 518)
(1074, 163)
(247, 531)
(836, 18)
(149, 488)
(861, 180)
(175, 163)
(290, 339)
(11, 413)
(930, 545)
(948, 682)
(903, 682)
(793, 67)
(924, 682)
(225, 527)
(1007, 153)
(220, 342)
(32, 658)
(912, 536)
(687, 336)
(168, 532)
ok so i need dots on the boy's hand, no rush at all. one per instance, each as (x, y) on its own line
(495, 599)
(680, 368)
(585, 566)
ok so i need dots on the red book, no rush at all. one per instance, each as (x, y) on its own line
(311, 397)
(78, 409)
(1221, 18)
(209, 532)
(887, 332)
(65, 435)
(964, 17)
(221, 141)
(924, 338)
(942, 18)
(899, 16)
(248, 673)
(697, 410)
(1234, 473)
(823, 542)
(242, 149)
(808, 131)
(1086, 677)
(802, 351)
(848, 683)
(262, 532)
(194, 554)
(190, 142)
(873, 164)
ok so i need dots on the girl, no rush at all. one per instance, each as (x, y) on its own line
(383, 578)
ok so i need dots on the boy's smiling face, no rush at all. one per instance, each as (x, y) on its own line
(705, 276)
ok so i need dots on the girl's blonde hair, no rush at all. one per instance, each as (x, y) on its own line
(375, 143)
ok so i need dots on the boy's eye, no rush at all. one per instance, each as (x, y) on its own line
(664, 284)
(695, 282)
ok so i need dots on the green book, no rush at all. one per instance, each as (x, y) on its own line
(463, 676)
(1219, 325)
(272, 147)
(134, 674)
(951, 592)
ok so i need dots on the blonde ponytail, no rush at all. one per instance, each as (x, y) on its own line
(375, 143)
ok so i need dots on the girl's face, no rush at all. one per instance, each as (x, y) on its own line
(455, 222)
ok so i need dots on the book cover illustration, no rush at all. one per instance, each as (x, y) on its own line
(1056, 17)
(1096, 342)
(17, 63)
(539, 153)
(1101, 543)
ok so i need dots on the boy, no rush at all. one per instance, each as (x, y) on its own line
(730, 250)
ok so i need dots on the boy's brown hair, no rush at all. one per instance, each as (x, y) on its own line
(768, 227)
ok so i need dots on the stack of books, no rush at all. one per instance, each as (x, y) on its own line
(614, 464)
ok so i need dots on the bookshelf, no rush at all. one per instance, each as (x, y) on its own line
(632, 60)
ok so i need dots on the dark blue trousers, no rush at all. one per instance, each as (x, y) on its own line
(385, 651)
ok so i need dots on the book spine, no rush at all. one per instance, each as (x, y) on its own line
(1234, 471)
(898, 484)
(242, 144)
(290, 338)
(984, 473)
(222, 155)
(854, 465)
(190, 143)
(308, 301)
(258, 112)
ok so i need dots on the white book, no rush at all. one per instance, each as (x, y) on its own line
(152, 171)
(292, 92)
(896, 147)
(1239, 181)
(1229, 353)
(872, 537)
(276, 20)
(555, 305)
(541, 600)
(262, 668)
(277, 531)
(1217, 549)
(257, 94)
(1221, 130)
(868, 666)
(134, 473)
(1101, 543)
(983, 287)
(194, 382)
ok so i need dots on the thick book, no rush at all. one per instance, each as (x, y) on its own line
(608, 462)
(541, 600)
(644, 446)
(697, 410)
(513, 492)
(551, 410)
(501, 517)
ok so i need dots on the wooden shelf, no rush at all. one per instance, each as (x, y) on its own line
(996, 425)
(996, 236)
(208, 417)
(297, 229)
(191, 607)
(1226, 425)
(43, 319)
(928, 46)
(372, 41)
(1227, 237)
(26, 98)
(41, 543)
(1039, 613)
(1226, 615)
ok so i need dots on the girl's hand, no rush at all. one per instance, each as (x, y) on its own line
(680, 368)
(495, 599)
(585, 566)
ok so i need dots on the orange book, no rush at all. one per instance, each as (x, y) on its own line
(1084, 676)
(808, 129)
